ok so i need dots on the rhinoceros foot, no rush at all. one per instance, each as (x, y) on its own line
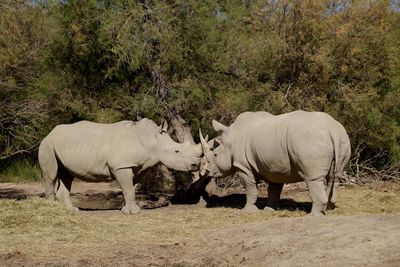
(73, 209)
(250, 208)
(269, 209)
(331, 206)
(130, 209)
(315, 214)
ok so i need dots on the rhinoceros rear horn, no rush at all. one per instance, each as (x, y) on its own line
(219, 126)
(164, 126)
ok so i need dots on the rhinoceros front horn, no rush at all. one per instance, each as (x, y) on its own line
(199, 150)
(204, 144)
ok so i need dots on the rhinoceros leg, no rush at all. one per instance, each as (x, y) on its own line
(48, 166)
(50, 184)
(251, 190)
(125, 179)
(331, 187)
(318, 196)
(331, 190)
(64, 191)
(274, 195)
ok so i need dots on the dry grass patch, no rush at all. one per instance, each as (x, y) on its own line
(378, 198)
(37, 229)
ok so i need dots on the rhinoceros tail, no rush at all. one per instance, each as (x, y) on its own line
(49, 166)
(336, 167)
(342, 152)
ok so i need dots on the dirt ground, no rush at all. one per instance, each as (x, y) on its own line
(349, 240)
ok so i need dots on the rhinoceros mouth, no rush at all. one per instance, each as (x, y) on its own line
(194, 168)
(204, 166)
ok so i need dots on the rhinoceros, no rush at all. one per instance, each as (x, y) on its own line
(97, 152)
(288, 148)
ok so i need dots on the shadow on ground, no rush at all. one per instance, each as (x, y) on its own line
(93, 200)
(238, 201)
(113, 200)
(16, 194)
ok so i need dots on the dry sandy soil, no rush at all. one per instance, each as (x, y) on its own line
(212, 233)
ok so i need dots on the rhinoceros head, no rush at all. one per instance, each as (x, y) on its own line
(176, 156)
(217, 153)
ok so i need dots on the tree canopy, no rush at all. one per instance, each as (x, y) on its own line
(105, 60)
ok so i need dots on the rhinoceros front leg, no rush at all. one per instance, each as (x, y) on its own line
(251, 190)
(125, 179)
(274, 195)
(318, 196)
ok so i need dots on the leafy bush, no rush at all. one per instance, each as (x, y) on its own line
(112, 60)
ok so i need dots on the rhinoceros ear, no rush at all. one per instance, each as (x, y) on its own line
(164, 126)
(216, 143)
(219, 126)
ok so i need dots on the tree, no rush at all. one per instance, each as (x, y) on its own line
(192, 61)
(25, 35)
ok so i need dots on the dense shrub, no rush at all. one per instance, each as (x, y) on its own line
(111, 60)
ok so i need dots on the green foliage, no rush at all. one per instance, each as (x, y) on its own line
(24, 35)
(19, 170)
(111, 60)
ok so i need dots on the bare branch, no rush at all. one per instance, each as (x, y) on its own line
(20, 125)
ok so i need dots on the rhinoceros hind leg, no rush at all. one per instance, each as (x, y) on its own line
(125, 179)
(332, 184)
(64, 191)
(332, 194)
(48, 166)
(274, 195)
(318, 196)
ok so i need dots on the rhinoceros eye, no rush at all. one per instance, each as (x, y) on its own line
(176, 151)
(163, 132)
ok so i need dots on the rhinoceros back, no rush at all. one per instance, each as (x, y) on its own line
(259, 143)
(284, 148)
(88, 150)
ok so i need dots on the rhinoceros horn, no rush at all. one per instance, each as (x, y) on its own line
(199, 149)
(164, 126)
(203, 141)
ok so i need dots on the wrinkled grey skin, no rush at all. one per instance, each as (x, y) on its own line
(97, 152)
(288, 148)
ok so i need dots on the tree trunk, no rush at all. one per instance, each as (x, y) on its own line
(168, 184)
(182, 130)
(183, 133)
(164, 180)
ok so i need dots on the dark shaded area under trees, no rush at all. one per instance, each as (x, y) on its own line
(104, 60)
